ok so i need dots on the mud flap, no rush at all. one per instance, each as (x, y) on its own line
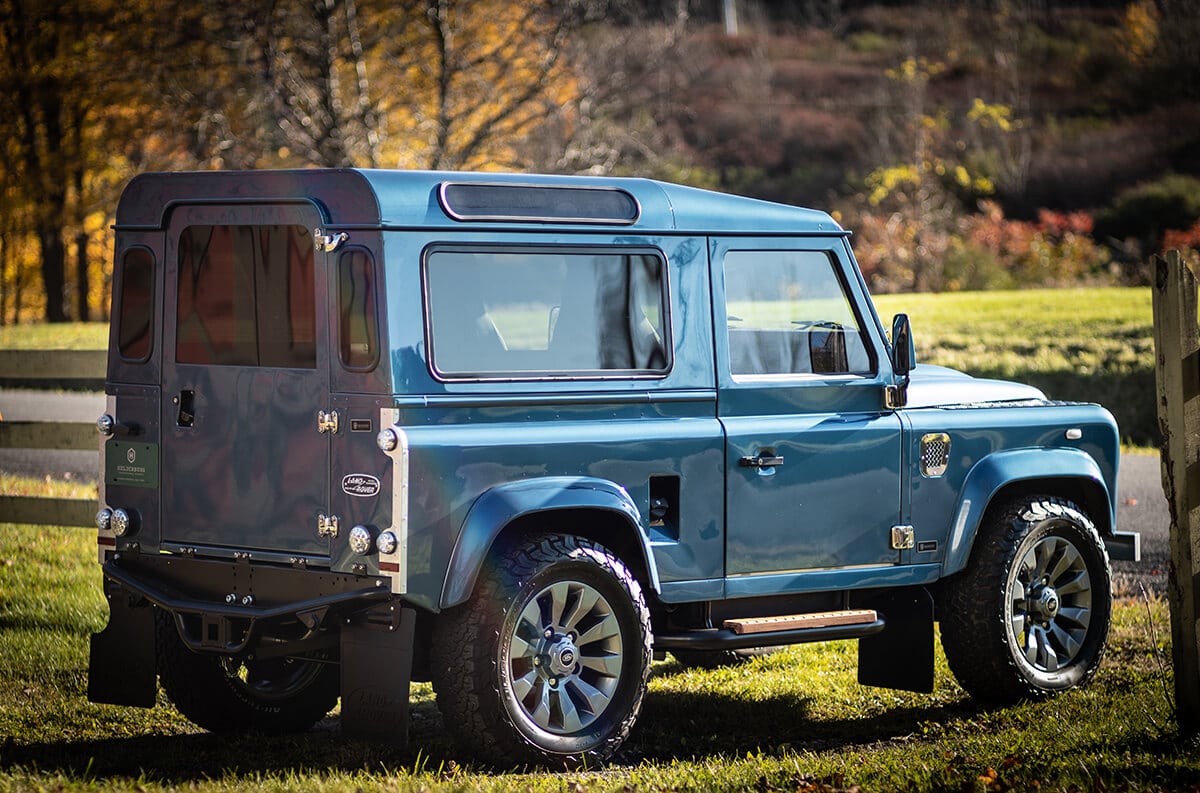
(901, 656)
(377, 658)
(121, 667)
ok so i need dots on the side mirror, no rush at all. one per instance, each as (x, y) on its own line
(904, 352)
(904, 358)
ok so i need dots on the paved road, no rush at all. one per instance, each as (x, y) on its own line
(1141, 507)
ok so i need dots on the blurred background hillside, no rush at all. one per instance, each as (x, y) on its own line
(969, 145)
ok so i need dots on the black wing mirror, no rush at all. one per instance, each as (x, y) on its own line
(904, 358)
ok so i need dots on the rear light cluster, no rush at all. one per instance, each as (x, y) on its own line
(120, 522)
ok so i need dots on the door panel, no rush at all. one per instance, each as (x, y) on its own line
(813, 459)
(245, 372)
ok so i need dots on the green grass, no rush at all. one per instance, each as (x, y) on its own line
(794, 721)
(58, 336)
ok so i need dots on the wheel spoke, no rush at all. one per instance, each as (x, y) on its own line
(570, 715)
(1080, 582)
(597, 699)
(558, 601)
(608, 665)
(523, 685)
(1070, 645)
(584, 603)
(601, 630)
(1044, 552)
(1018, 622)
(1069, 559)
(541, 712)
(1078, 617)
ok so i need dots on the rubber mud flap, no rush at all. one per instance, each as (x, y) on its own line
(901, 656)
(121, 665)
(376, 670)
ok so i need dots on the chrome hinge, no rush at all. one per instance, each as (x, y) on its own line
(328, 242)
(895, 396)
(327, 525)
(327, 421)
(903, 538)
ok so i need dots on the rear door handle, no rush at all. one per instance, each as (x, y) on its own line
(760, 461)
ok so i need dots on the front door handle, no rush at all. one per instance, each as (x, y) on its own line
(761, 460)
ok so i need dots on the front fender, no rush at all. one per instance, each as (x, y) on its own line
(996, 471)
(501, 505)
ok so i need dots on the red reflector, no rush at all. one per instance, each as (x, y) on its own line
(109, 541)
(389, 567)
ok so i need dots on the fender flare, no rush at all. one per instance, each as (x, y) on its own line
(500, 506)
(996, 471)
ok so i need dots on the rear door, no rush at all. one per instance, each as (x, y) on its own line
(245, 371)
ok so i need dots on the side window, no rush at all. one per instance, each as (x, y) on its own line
(523, 314)
(358, 329)
(788, 314)
(246, 297)
(136, 305)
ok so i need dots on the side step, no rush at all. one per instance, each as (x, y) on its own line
(771, 631)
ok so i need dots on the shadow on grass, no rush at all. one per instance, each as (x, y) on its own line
(672, 726)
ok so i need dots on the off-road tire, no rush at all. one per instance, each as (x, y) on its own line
(1029, 615)
(276, 696)
(501, 662)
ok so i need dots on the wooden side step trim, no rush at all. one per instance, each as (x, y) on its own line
(824, 619)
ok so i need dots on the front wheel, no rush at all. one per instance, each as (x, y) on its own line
(548, 661)
(1029, 616)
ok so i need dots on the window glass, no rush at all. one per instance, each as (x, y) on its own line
(134, 323)
(788, 314)
(547, 312)
(246, 297)
(358, 332)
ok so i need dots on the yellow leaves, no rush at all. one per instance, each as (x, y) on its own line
(884, 181)
(916, 70)
(987, 115)
(1140, 30)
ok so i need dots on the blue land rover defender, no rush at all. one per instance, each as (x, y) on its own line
(518, 434)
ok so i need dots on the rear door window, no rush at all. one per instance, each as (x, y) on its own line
(246, 297)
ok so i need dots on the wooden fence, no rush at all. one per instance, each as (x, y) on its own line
(53, 366)
(1177, 352)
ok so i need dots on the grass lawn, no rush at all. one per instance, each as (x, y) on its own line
(793, 721)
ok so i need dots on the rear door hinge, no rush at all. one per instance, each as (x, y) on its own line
(327, 421)
(327, 525)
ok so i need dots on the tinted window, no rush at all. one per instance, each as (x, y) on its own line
(246, 297)
(547, 312)
(136, 303)
(788, 314)
(357, 329)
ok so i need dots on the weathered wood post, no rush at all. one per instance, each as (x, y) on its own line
(1177, 353)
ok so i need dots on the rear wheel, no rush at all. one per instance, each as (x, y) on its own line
(224, 694)
(1029, 616)
(548, 661)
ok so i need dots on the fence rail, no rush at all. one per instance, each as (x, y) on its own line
(25, 367)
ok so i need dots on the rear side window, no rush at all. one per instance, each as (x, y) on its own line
(547, 313)
(357, 327)
(136, 305)
(246, 297)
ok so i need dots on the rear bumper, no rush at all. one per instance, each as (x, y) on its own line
(227, 607)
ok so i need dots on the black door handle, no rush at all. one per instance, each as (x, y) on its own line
(761, 461)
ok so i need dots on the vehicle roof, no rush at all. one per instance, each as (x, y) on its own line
(411, 199)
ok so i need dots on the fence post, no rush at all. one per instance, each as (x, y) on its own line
(1177, 354)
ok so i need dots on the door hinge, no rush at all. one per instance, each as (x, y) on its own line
(328, 242)
(903, 538)
(327, 421)
(327, 526)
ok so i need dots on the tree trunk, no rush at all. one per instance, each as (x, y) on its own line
(81, 277)
(54, 268)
